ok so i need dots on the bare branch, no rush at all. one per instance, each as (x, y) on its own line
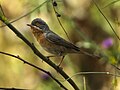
(111, 3)
(12, 89)
(115, 66)
(89, 73)
(2, 10)
(19, 58)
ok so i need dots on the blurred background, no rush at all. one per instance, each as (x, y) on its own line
(86, 28)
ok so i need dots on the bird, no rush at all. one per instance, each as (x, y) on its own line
(51, 42)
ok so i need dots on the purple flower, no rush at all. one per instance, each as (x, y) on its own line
(107, 43)
(45, 77)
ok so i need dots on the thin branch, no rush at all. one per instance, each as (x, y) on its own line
(98, 73)
(113, 2)
(56, 14)
(19, 58)
(84, 83)
(12, 89)
(106, 20)
(35, 50)
(2, 10)
(27, 13)
(115, 66)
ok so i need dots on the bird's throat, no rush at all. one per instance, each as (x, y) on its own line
(37, 33)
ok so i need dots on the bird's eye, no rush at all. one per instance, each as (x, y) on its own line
(37, 24)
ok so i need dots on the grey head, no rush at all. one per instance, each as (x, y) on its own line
(38, 22)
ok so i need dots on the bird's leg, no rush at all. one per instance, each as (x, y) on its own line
(61, 61)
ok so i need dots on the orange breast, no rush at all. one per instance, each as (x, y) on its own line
(43, 42)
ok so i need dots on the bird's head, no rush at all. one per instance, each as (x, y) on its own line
(39, 24)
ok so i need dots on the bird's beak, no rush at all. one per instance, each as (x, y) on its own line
(29, 25)
(34, 27)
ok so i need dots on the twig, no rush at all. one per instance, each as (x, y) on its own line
(19, 58)
(115, 66)
(87, 73)
(110, 3)
(56, 13)
(84, 83)
(34, 49)
(106, 19)
(2, 10)
(12, 89)
(27, 13)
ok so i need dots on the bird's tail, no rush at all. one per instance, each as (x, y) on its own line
(89, 54)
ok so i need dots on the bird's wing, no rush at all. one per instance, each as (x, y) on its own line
(54, 38)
